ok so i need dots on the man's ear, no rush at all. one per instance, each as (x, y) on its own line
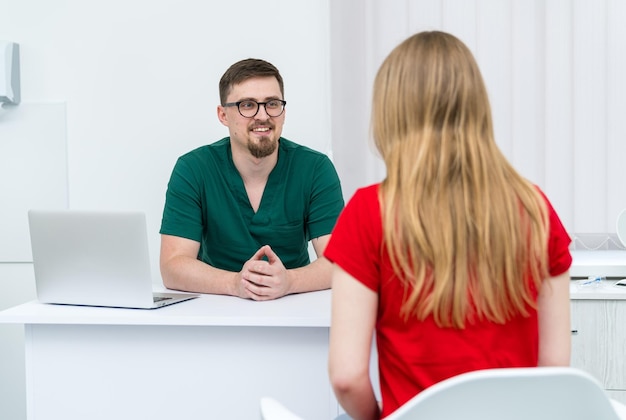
(221, 115)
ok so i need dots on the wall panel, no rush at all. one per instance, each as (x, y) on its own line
(615, 109)
(589, 129)
(558, 118)
(33, 171)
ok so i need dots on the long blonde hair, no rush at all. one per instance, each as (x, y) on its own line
(465, 232)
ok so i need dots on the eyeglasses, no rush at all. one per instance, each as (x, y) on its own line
(250, 108)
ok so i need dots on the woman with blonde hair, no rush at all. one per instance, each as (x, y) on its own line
(455, 260)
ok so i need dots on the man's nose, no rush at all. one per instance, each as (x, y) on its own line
(264, 116)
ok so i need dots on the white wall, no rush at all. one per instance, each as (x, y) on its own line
(137, 82)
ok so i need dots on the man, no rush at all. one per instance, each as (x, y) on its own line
(239, 213)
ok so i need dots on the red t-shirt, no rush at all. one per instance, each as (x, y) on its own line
(413, 354)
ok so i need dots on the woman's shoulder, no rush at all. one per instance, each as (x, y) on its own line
(366, 193)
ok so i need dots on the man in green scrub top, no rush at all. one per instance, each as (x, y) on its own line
(239, 213)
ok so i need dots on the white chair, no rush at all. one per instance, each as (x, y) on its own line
(547, 393)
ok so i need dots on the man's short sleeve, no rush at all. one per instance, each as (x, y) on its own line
(182, 214)
(326, 199)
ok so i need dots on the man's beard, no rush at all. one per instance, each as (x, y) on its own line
(263, 148)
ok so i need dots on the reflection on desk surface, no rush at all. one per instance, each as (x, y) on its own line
(597, 287)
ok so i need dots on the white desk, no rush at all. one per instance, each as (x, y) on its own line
(209, 358)
(214, 357)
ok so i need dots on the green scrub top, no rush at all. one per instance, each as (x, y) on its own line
(206, 201)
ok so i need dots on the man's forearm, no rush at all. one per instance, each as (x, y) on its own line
(191, 275)
(315, 276)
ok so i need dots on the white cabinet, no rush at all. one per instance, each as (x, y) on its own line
(599, 340)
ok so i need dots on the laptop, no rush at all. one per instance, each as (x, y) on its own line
(94, 258)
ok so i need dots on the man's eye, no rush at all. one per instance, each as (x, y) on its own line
(247, 105)
(274, 104)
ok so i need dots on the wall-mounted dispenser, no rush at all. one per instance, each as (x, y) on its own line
(9, 72)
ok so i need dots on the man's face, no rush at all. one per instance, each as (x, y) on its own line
(260, 133)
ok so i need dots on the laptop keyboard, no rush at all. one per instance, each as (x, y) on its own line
(161, 298)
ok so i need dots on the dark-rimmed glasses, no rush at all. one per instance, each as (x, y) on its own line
(250, 108)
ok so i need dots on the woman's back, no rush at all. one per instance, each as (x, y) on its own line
(414, 354)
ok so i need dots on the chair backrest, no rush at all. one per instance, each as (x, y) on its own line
(546, 393)
(273, 410)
